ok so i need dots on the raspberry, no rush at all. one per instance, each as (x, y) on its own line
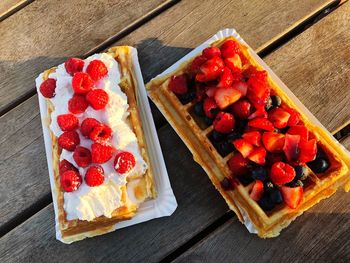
(211, 52)
(82, 83)
(77, 104)
(94, 176)
(124, 162)
(101, 133)
(82, 156)
(88, 125)
(74, 65)
(70, 180)
(69, 140)
(67, 122)
(229, 48)
(282, 173)
(97, 69)
(47, 88)
(66, 166)
(101, 153)
(178, 84)
(97, 99)
(224, 122)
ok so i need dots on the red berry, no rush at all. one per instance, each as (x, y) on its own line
(88, 125)
(294, 116)
(82, 156)
(101, 153)
(69, 140)
(234, 63)
(224, 97)
(229, 48)
(209, 105)
(241, 86)
(124, 162)
(178, 84)
(307, 151)
(197, 62)
(211, 52)
(74, 65)
(273, 141)
(291, 147)
(261, 123)
(210, 70)
(226, 78)
(47, 88)
(282, 173)
(97, 99)
(210, 91)
(299, 130)
(77, 104)
(82, 83)
(238, 165)
(279, 117)
(94, 176)
(272, 158)
(258, 155)
(258, 90)
(241, 109)
(257, 190)
(66, 166)
(101, 133)
(67, 122)
(70, 180)
(292, 196)
(252, 137)
(244, 147)
(200, 91)
(224, 122)
(97, 69)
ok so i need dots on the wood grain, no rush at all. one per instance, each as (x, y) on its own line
(346, 142)
(9, 6)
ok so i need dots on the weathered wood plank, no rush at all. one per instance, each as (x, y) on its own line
(346, 142)
(9, 6)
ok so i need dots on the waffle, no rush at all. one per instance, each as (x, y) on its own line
(195, 134)
(141, 186)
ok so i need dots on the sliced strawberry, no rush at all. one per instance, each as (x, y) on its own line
(279, 117)
(178, 84)
(229, 48)
(257, 190)
(252, 137)
(197, 62)
(209, 105)
(258, 89)
(258, 155)
(238, 165)
(273, 141)
(226, 96)
(244, 147)
(211, 52)
(292, 196)
(299, 130)
(282, 173)
(241, 109)
(224, 122)
(210, 91)
(226, 78)
(241, 86)
(259, 113)
(291, 147)
(308, 151)
(210, 70)
(294, 116)
(261, 123)
(234, 63)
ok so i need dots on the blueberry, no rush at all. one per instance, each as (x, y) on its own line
(295, 183)
(188, 97)
(215, 111)
(268, 105)
(217, 136)
(282, 130)
(268, 187)
(301, 173)
(226, 184)
(319, 165)
(208, 121)
(233, 136)
(198, 109)
(240, 125)
(276, 101)
(266, 203)
(245, 179)
(224, 148)
(259, 173)
(276, 196)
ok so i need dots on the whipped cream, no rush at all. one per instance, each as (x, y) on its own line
(87, 202)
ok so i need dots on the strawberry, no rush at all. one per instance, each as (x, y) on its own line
(82, 156)
(261, 123)
(241, 109)
(210, 91)
(258, 91)
(101, 153)
(226, 78)
(238, 165)
(101, 133)
(226, 96)
(259, 113)
(178, 84)
(82, 83)
(67, 122)
(229, 48)
(69, 140)
(252, 137)
(300, 130)
(211, 52)
(224, 122)
(97, 69)
(272, 158)
(294, 116)
(209, 105)
(257, 190)
(292, 196)
(47, 88)
(273, 141)
(282, 173)
(88, 125)
(74, 65)
(94, 176)
(291, 147)
(308, 151)
(66, 166)
(210, 70)
(197, 62)
(70, 181)
(258, 155)
(77, 104)
(241, 86)
(97, 99)
(279, 117)
(244, 147)
(124, 162)
(234, 63)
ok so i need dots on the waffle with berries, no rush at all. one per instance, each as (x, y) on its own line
(262, 153)
(67, 177)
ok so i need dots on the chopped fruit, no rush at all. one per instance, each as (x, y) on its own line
(97, 99)
(101, 153)
(244, 147)
(67, 122)
(69, 140)
(260, 173)
(295, 183)
(259, 113)
(229, 48)
(124, 162)
(226, 96)
(266, 203)
(258, 90)
(252, 137)
(272, 158)
(292, 196)
(197, 62)
(224, 122)
(276, 101)
(273, 141)
(188, 97)
(291, 147)
(66, 166)
(94, 176)
(282, 173)
(101, 133)
(242, 87)
(241, 109)
(238, 165)
(294, 116)
(82, 156)
(226, 78)
(261, 123)
(47, 88)
(88, 125)
(70, 180)
(200, 91)
(198, 109)
(227, 183)
(276, 196)
(301, 173)
(210, 91)
(77, 104)
(209, 106)
(74, 65)
(224, 147)
(233, 136)
(258, 155)
(257, 190)
(307, 151)
(211, 52)
(208, 121)
(178, 84)
(300, 130)
(210, 70)
(217, 136)
(82, 83)
(268, 105)
(97, 69)
(319, 165)
(279, 117)
(234, 63)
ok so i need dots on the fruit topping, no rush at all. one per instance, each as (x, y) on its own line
(241, 109)
(266, 203)
(261, 123)
(259, 173)
(82, 156)
(224, 122)
(234, 63)
(47, 88)
(69, 140)
(238, 165)
(94, 176)
(210, 107)
(200, 91)
(82, 83)
(101, 153)
(233, 136)
(97, 69)
(178, 84)
(258, 90)
(300, 130)
(197, 62)
(279, 117)
(282, 173)
(229, 48)
(244, 147)
(217, 136)
(101, 133)
(291, 147)
(208, 121)
(294, 116)
(88, 125)
(70, 180)
(210, 91)
(188, 97)
(227, 184)
(77, 104)
(259, 113)
(74, 65)
(276, 101)
(292, 196)
(276, 196)
(211, 52)
(301, 172)
(319, 165)
(252, 137)
(307, 151)
(257, 190)
(226, 78)
(97, 98)
(210, 70)
(242, 87)
(67, 122)
(198, 109)
(66, 166)
(124, 162)
(224, 147)
(226, 96)
(258, 155)
(273, 141)
(272, 158)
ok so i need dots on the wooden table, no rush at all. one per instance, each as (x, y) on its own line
(306, 42)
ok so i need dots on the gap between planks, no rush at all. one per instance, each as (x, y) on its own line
(14, 9)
